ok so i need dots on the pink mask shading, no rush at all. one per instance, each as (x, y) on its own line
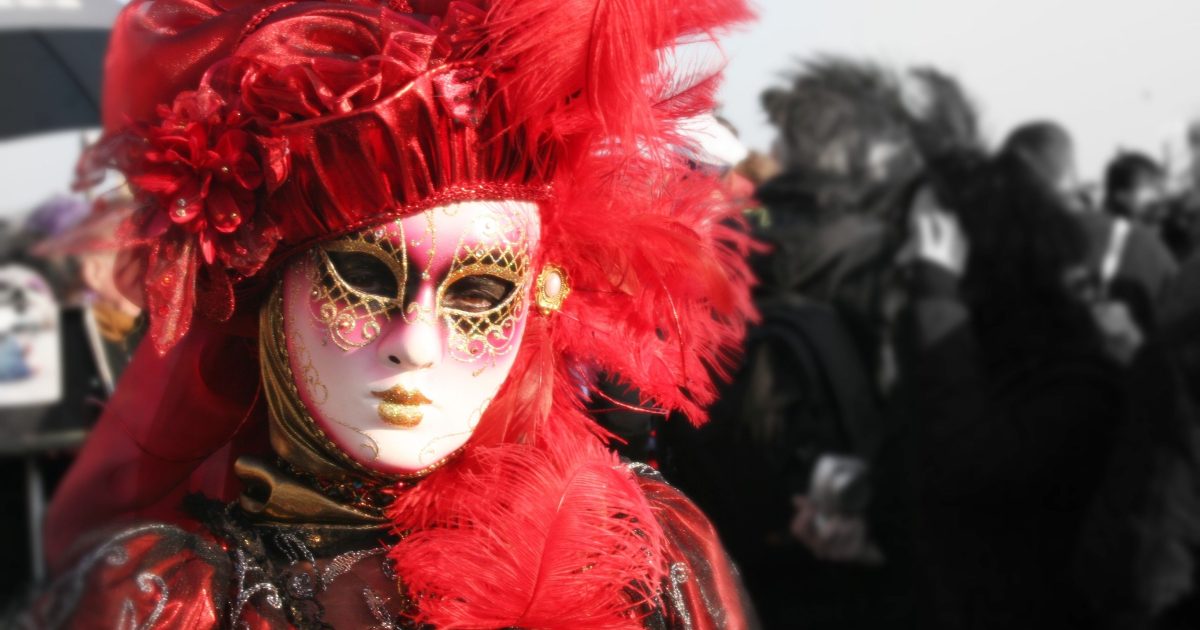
(399, 336)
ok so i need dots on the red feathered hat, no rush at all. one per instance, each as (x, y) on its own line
(250, 131)
(258, 130)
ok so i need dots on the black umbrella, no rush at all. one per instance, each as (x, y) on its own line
(51, 79)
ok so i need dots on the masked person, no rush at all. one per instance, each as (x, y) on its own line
(383, 248)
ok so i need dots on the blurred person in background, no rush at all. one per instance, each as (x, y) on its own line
(1140, 565)
(1128, 266)
(1009, 393)
(845, 149)
(1049, 150)
(805, 390)
(852, 136)
(1181, 231)
(88, 292)
(1135, 189)
(815, 530)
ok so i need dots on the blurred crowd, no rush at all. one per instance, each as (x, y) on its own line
(971, 399)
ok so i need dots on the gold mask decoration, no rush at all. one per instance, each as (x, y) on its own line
(352, 314)
(553, 288)
(488, 333)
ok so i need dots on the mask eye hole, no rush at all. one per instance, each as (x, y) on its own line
(365, 273)
(477, 293)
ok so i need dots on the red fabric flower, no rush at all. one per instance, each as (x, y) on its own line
(200, 172)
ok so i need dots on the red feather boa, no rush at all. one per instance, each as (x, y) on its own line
(530, 536)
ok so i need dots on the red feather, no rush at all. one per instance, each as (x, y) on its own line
(632, 216)
(576, 68)
(528, 536)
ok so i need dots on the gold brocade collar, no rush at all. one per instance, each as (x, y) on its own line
(276, 500)
(272, 494)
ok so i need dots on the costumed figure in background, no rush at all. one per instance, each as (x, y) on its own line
(110, 324)
(383, 248)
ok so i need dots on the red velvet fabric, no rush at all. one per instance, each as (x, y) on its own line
(174, 426)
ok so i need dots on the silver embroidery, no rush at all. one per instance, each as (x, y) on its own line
(308, 582)
(342, 564)
(68, 590)
(378, 607)
(679, 576)
(253, 582)
(118, 557)
(147, 583)
(388, 570)
(244, 568)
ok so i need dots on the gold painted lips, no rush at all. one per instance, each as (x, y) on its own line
(401, 407)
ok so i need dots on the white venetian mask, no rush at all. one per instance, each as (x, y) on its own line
(400, 336)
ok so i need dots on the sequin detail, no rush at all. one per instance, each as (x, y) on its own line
(378, 607)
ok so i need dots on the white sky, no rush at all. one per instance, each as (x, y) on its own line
(33, 169)
(1119, 74)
